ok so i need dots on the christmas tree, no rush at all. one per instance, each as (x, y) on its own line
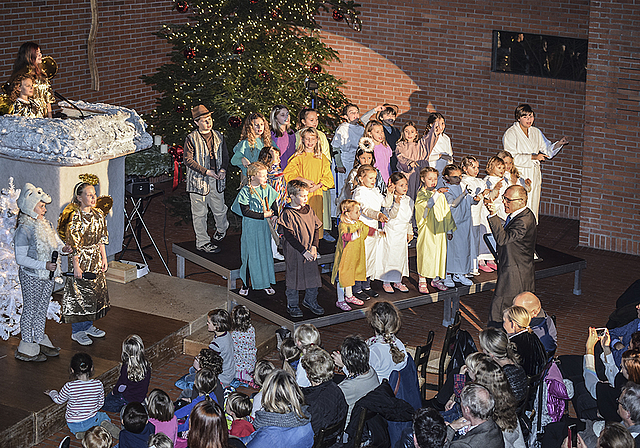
(241, 56)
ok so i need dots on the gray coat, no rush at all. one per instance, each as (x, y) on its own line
(198, 160)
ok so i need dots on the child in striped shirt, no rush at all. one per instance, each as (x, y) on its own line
(84, 398)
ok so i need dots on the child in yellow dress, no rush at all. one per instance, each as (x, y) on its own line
(310, 166)
(350, 262)
(435, 226)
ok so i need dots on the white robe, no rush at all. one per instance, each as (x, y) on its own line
(442, 148)
(393, 251)
(491, 182)
(371, 201)
(479, 214)
(460, 250)
(523, 148)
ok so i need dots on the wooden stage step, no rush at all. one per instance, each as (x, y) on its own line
(265, 340)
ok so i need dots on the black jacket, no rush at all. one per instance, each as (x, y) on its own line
(327, 405)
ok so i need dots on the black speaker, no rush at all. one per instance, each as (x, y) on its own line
(138, 187)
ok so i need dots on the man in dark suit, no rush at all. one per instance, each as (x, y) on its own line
(477, 406)
(516, 241)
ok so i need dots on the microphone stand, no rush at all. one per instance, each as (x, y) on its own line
(60, 96)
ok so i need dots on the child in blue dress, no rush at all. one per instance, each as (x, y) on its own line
(256, 203)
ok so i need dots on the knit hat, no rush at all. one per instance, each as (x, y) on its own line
(29, 198)
(199, 111)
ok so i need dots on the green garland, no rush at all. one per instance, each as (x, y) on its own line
(149, 163)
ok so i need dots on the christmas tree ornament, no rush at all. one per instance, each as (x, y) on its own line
(265, 76)
(337, 15)
(180, 108)
(253, 2)
(189, 53)
(235, 122)
(316, 68)
(239, 49)
(182, 6)
(277, 12)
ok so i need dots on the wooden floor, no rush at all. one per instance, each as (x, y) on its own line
(274, 308)
(27, 415)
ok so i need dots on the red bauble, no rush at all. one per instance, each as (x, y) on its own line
(182, 6)
(189, 53)
(265, 76)
(235, 122)
(337, 15)
(180, 108)
(316, 68)
(239, 49)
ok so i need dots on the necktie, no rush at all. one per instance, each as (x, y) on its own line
(507, 221)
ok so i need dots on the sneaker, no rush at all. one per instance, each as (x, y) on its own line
(401, 287)
(65, 443)
(294, 311)
(448, 282)
(244, 292)
(40, 357)
(81, 338)
(209, 248)
(314, 308)
(371, 293)
(388, 288)
(270, 291)
(361, 295)
(328, 238)
(354, 300)
(343, 306)
(95, 332)
(219, 236)
(278, 257)
(438, 285)
(472, 274)
(111, 428)
(459, 278)
(79, 435)
(485, 268)
(492, 265)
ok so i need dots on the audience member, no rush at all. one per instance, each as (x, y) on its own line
(621, 337)
(97, 437)
(541, 323)
(137, 428)
(429, 430)
(478, 428)
(533, 356)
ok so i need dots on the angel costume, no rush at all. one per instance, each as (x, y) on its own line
(29, 109)
(479, 214)
(393, 252)
(460, 249)
(434, 220)
(86, 300)
(523, 147)
(442, 154)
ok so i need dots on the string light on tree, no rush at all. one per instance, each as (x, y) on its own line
(189, 53)
(315, 69)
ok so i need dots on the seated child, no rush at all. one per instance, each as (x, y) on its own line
(137, 428)
(238, 408)
(84, 398)
(204, 384)
(207, 359)
(97, 437)
(161, 414)
(386, 351)
(219, 323)
(244, 343)
(301, 229)
(263, 368)
(160, 440)
(326, 401)
(135, 374)
(305, 336)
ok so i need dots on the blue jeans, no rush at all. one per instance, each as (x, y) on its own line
(293, 297)
(359, 286)
(86, 425)
(81, 326)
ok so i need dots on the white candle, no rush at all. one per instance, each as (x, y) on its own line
(157, 140)
(164, 149)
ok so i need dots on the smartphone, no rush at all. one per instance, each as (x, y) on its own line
(572, 435)
(601, 331)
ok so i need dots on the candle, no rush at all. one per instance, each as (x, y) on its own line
(157, 140)
(164, 149)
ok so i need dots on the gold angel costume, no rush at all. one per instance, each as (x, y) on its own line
(85, 300)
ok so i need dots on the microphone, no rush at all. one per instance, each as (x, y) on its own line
(85, 275)
(54, 259)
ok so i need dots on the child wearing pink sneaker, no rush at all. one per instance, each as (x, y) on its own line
(350, 263)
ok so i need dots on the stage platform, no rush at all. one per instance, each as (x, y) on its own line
(227, 262)
(154, 307)
(274, 308)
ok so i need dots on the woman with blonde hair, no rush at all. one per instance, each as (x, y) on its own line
(284, 419)
(529, 348)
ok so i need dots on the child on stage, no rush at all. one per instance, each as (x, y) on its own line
(435, 226)
(270, 157)
(254, 136)
(478, 189)
(301, 228)
(35, 241)
(256, 203)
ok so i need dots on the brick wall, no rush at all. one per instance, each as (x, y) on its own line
(125, 47)
(610, 211)
(440, 52)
